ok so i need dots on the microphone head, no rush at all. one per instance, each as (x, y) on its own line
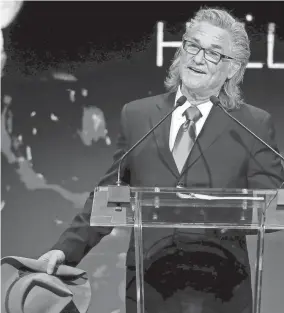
(215, 100)
(181, 101)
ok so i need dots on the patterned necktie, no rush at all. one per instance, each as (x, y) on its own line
(186, 137)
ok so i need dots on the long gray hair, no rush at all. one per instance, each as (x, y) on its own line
(230, 93)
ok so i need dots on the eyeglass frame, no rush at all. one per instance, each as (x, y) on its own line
(222, 56)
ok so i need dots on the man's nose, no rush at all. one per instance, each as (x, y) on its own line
(199, 57)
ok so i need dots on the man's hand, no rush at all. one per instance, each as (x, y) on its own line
(53, 259)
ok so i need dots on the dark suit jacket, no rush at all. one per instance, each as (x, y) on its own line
(224, 156)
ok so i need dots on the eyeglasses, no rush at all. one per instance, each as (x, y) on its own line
(209, 55)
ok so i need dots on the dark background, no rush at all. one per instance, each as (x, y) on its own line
(111, 48)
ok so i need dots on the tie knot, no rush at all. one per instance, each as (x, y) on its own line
(193, 114)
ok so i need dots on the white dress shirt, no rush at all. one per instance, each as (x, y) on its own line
(178, 119)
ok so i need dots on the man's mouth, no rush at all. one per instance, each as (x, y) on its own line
(196, 70)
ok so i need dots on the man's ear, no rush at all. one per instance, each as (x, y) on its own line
(233, 68)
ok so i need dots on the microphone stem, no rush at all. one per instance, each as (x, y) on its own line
(232, 117)
(118, 183)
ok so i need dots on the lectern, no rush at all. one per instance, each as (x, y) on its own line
(197, 212)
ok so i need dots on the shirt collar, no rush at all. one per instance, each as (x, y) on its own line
(203, 107)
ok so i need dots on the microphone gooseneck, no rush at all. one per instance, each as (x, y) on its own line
(179, 103)
(217, 102)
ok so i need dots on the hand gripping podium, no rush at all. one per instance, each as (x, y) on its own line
(193, 215)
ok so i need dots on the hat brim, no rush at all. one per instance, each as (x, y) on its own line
(74, 279)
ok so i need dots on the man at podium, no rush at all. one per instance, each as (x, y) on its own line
(198, 146)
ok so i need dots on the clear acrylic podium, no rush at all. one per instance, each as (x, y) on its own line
(255, 213)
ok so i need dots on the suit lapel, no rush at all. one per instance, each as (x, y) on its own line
(162, 132)
(211, 131)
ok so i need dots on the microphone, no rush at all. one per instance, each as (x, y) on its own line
(279, 192)
(217, 102)
(179, 103)
(119, 193)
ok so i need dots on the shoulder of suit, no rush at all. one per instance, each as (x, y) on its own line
(254, 112)
(145, 103)
(256, 119)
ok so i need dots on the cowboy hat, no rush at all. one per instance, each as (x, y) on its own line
(27, 288)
